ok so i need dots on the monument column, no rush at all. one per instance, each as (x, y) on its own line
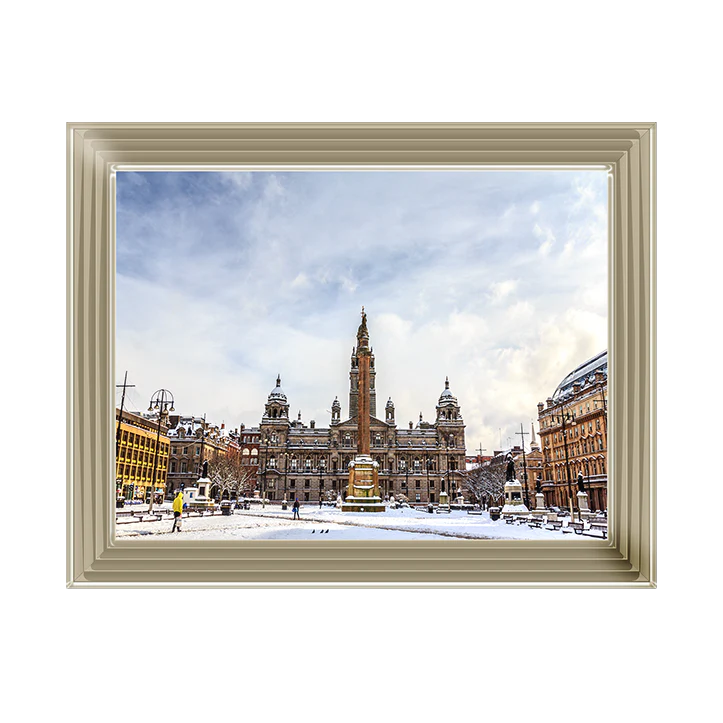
(364, 357)
(363, 491)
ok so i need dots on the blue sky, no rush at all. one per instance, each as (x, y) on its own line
(495, 279)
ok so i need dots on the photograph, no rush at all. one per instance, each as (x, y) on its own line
(361, 355)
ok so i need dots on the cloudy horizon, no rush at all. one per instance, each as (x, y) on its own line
(497, 280)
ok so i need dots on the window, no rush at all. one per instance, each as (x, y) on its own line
(272, 463)
(292, 484)
(418, 498)
(307, 484)
(198, 451)
(418, 484)
(307, 464)
(293, 464)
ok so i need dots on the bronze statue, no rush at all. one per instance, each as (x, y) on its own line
(510, 468)
(580, 482)
(538, 484)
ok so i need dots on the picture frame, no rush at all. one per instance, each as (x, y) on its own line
(96, 151)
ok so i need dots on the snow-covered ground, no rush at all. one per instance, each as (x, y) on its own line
(273, 523)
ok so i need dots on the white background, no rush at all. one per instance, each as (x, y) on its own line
(510, 654)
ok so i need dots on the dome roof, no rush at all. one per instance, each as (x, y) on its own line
(583, 374)
(446, 397)
(277, 393)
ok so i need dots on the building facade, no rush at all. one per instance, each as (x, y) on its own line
(136, 457)
(310, 463)
(573, 435)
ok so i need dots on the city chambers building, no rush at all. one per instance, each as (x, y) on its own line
(311, 463)
(573, 435)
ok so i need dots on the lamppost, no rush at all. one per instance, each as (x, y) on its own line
(199, 471)
(321, 479)
(162, 400)
(522, 433)
(285, 455)
(263, 471)
(406, 476)
(562, 419)
(428, 462)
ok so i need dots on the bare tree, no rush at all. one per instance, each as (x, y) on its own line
(485, 482)
(230, 476)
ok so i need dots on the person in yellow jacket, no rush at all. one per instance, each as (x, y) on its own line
(177, 511)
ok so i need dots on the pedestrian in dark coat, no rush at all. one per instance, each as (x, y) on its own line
(296, 510)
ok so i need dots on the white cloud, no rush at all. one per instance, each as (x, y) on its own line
(258, 274)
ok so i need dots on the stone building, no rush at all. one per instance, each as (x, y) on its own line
(573, 435)
(137, 454)
(193, 440)
(308, 462)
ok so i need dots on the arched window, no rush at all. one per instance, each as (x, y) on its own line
(307, 464)
(272, 463)
(293, 464)
(246, 451)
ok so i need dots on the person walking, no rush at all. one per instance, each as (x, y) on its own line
(177, 512)
(296, 510)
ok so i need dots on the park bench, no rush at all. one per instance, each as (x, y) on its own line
(474, 512)
(578, 527)
(510, 520)
(599, 527)
(554, 525)
(534, 523)
(443, 510)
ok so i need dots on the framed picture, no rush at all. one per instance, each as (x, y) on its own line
(280, 243)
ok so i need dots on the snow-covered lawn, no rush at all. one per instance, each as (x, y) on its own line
(273, 523)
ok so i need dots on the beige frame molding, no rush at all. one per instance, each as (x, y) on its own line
(95, 559)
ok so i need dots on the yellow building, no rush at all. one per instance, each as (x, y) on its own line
(136, 456)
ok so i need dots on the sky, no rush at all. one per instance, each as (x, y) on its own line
(497, 280)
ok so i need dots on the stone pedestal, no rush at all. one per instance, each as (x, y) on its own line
(443, 499)
(540, 509)
(514, 504)
(363, 490)
(583, 505)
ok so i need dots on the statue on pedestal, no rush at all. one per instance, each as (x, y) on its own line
(510, 474)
